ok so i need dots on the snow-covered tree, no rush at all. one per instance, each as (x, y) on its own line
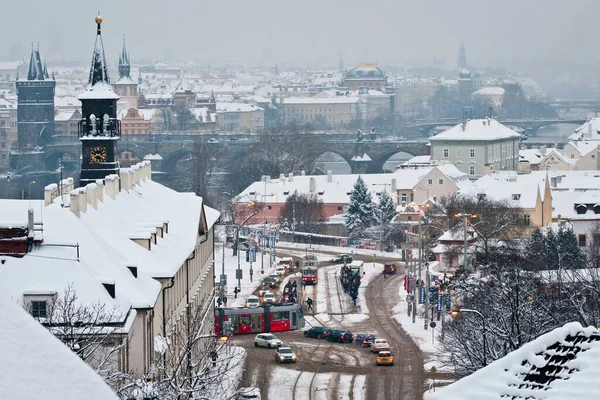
(307, 210)
(569, 253)
(360, 215)
(551, 258)
(384, 214)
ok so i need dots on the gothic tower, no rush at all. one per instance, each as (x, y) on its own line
(462, 56)
(99, 128)
(35, 105)
(126, 87)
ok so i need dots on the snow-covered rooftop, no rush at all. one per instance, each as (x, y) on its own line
(489, 91)
(477, 129)
(560, 365)
(38, 365)
(588, 131)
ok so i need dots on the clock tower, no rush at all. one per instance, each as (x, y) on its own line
(99, 129)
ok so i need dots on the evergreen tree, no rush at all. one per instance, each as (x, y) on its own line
(360, 215)
(536, 249)
(551, 258)
(569, 253)
(386, 209)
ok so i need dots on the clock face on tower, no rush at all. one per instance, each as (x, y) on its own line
(98, 154)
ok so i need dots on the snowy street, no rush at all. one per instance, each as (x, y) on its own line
(328, 370)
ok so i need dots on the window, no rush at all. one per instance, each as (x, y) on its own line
(38, 309)
(409, 218)
(441, 181)
(527, 219)
(458, 153)
(430, 182)
(516, 196)
(572, 156)
(471, 170)
(446, 151)
(403, 197)
(472, 153)
(581, 240)
(339, 208)
(593, 156)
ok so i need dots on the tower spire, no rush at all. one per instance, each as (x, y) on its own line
(124, 64)
(99, 69)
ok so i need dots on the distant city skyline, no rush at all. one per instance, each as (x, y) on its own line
(313, 32)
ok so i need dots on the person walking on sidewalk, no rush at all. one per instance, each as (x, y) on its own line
(309, 303)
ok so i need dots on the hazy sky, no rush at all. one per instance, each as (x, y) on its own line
(285, 31)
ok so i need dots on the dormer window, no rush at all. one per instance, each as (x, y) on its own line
(516, 196)
(39, 308)
(581, 208)
(596, 208)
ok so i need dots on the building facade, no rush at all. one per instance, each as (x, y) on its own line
(475, 145)
(8, 131)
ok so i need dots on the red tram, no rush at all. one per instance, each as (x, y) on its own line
(275, 318)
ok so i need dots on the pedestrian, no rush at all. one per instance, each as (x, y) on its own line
(297, 264)
(219, 302)
(235, 291)
(309, 303)
(224, 301)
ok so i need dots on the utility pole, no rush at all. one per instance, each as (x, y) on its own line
(223, 274)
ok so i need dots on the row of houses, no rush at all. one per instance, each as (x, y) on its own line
(137, 248)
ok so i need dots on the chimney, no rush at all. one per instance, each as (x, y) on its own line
(590, 132)
(135, 172)
(543, 150)
(81, 200)
(100, 190)
(553, 181)
(282, 177)
(464, 124)
(50, 193)
(559, 220)
(394, 186)
(302, 173)
(73, 202)
(312, 185)
(112, 186)
(30, 223)
(291, 177)
(70, 184)
(91, 197)
(126, 179)
(329, 177)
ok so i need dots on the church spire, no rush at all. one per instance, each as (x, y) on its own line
(36, 70)
(124, 64)
(462, 56)
(99, 69)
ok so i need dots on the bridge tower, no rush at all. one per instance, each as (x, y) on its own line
(99, 129)
(361, 161)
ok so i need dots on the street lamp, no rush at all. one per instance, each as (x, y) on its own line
(465, 218)
(455, 313)
(427, 279)
(29, 195)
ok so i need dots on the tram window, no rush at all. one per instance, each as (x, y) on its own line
(285, 315)
(277, 316)
(245, 320)
(233, 320)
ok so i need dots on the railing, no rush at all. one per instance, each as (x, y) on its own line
(95, 127)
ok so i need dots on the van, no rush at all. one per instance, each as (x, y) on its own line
(252, 302)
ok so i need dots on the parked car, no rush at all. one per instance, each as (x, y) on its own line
(285, 354)
(389, 269)
(342, 258)
(252, 302)
(365, 339)
(248, 393)
(379, 345)
(269, 298)
(384, 358)
(318, 332)
(267, 340)
(341, 336)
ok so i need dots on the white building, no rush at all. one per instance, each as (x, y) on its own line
(476, 144)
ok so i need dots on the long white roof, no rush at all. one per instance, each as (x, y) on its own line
(38, 365)
(477, 129)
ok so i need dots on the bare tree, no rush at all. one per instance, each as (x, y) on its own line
(306, 211)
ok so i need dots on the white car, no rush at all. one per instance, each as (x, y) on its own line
(280, 271)
(379, 345)
(267, 340)
(252, 302)
(269, 298)
(285, 354)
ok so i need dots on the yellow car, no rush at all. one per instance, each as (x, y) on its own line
(385, 358)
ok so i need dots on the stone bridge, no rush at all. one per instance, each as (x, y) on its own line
(235, 147)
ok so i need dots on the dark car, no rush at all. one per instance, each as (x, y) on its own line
(365, 339)
(318, 332)
(342, 258)
(389, 269)
(341, 336)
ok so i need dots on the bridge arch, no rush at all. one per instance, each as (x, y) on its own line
(70, 160)
(325, 151)
(171, 162)
(377, 164)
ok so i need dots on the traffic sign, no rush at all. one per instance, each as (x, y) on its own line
(432, 324)
(433, 369)
(238, 274)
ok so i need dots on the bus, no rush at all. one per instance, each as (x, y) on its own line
(276, 318)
